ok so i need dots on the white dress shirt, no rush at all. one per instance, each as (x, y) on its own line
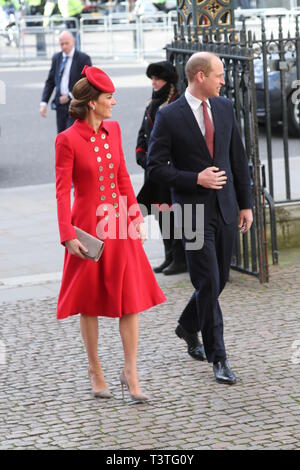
(64, 85)
(197, 108)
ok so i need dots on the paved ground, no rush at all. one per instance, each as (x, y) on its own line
(45, 400)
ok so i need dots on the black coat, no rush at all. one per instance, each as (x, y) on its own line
(151, 192)
(79, 61)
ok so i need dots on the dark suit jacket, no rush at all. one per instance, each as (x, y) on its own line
(178, 152)
(79, 61)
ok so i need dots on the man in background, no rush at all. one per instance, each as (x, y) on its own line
(65, 71)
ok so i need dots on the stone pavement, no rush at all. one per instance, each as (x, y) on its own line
(45, 399)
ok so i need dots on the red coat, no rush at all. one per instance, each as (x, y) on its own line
(122, 282)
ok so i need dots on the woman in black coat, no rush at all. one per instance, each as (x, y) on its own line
(164, 78)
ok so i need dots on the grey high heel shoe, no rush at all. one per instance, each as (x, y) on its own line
(100, 393)
(138, 397)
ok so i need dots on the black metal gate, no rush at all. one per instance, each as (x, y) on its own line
(277, 73)
(235, 49)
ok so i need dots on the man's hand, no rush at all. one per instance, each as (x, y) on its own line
(246, 219)
(64, 99)
(43, 110)
(212, 178)
(76, 248)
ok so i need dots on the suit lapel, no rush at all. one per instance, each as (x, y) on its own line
(192, 124)
(59, 61)
(217, 125)
(72, 67)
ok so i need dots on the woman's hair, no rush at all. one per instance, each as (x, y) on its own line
(171, 93)
(83, 92)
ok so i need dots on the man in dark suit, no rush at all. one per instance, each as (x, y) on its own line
(196, 148)
(65, 71)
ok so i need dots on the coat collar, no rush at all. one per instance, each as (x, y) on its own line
(71, 55)
(86, 131)
(219, 126)
(194, 102)
(61, 54)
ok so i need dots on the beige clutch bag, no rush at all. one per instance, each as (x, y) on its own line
(94, 245)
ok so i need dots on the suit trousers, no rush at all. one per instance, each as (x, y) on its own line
(63, 120)
(174, 249)
(209, 270)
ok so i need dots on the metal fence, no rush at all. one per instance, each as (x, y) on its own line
(276, 52)
(112, 36)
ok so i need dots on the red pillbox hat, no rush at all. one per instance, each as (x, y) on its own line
(98, 79)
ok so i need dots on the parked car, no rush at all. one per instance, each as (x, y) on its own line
(253, 23)
(275, 93)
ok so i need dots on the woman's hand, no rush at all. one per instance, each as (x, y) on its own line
(141, 231)
(75, 248)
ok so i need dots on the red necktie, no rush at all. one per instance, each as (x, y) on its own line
(209, 130)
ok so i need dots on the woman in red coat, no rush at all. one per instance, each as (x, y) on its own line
(89, 155)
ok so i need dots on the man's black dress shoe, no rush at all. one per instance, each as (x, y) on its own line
(163, 265)
(195, 348)
(175, 268)
(223, 373)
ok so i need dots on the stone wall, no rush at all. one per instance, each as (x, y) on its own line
(287, 225)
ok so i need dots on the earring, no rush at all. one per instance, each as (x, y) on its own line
(93, 108)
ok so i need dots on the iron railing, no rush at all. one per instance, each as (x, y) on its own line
(277, 75)
(108, 37)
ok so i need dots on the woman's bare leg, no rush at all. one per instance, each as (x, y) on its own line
(89, 332)
(129, 330)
